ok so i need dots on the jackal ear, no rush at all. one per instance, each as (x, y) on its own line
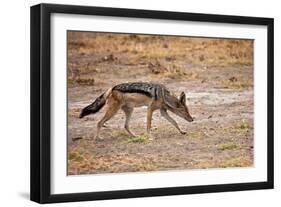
(182, 98)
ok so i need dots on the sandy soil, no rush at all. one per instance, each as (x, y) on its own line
(219, 97)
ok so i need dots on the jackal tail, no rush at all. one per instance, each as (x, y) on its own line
(97, 105)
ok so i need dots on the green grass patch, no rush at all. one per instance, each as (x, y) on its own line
(228, 146)
(196, 135)
(138, 139)
(74, 156)
(244, 124)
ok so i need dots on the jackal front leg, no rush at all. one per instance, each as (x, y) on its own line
(148, 123)
(165, 114)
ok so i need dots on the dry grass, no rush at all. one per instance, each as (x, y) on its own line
(197, 134)
(96, 50)
(171, 71)
(237, 83)
(232, 162)
(74, 112)
(82, 160)
(81, 163)
(205, 51)
(237, 128)
(237, 162)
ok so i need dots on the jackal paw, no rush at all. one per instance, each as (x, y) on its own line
(183, 132)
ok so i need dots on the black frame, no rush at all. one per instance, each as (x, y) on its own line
(40, 102)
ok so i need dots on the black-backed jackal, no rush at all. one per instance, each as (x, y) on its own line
(127, 96)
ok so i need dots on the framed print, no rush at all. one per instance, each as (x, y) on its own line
(133, 103)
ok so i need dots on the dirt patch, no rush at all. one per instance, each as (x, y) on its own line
(216, 75)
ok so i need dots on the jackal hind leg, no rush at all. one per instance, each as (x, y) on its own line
(112, 109)
(165, 114)
(128, 112)
(150, 110)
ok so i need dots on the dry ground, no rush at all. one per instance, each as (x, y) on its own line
(215, 74)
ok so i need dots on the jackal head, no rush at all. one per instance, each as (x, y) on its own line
(178, 106)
